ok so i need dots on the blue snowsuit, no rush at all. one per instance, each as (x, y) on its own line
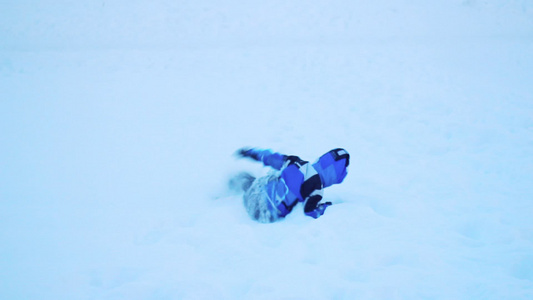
(299, 180)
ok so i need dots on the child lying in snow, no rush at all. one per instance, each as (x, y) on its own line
(272, 197)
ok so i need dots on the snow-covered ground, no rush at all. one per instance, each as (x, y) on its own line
(118, 121)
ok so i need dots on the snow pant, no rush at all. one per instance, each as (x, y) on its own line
(264, 197)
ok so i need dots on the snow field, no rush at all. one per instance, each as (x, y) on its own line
(118, 121)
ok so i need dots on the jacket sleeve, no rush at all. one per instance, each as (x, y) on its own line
(313, 207)
(267, 157)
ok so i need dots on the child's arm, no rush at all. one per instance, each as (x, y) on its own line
(267, 157)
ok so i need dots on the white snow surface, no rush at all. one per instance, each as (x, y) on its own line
(118, 121)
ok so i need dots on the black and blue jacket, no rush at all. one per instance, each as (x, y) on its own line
(301, 181)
